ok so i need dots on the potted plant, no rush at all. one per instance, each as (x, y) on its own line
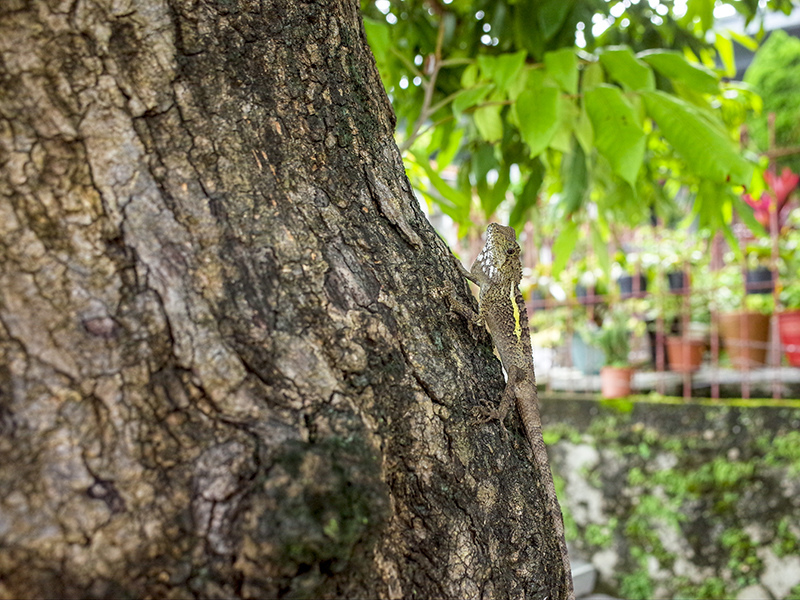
(589, 282)
(685, 341)
(630, 274)
(613, 336)
(789, 316)
(789, 322)
(687, 319)
(586, 354)
(759, 278)
(677, 252)
(743, 320)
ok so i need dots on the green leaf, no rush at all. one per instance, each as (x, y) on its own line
(481, 161)
(518, 84)
(489, 123)
(673, 64)
(470, 76)
(449, 142)
(453, 202)
(600, 248)
(568, 115)
(379, 38)
(525, 23)
(502, 69)
(617, 133)
(592, 76)
(745, 212)
(575, 176)
(538, 116)
(469, 97)
(562, 65)
(704, 9)
(624, 68)
(526, 199)
(744, 40)
(491, 198)
(584, 132)
(724, 47)
(563, 247)
(552, 14)
(703, 144)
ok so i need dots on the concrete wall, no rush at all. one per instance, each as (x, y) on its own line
(674, 499)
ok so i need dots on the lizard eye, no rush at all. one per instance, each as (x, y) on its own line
(510, 251)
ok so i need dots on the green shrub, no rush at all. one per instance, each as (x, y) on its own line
(775, 74)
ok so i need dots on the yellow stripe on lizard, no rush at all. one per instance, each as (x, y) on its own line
(515, 308)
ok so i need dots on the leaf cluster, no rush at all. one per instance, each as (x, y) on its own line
(498, 108)
(775, 74)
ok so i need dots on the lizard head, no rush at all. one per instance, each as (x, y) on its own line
(500, 253)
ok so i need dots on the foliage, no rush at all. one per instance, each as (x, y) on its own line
(790, 263)
(601, 536)
(729, 295)
(614, 334)
(637, 585)
(689, 485)
(505, 92)
(548, 326)
(775, 74)
(713, 587)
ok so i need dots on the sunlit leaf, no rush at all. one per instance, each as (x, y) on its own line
(703, 10)
(453, 202)
(378, 36)
(617, 133)
(538, 116)
(562, 65)
(568, 115)
(470, 97)
(503, 69)
(745, 40)
(563, 247)
(526, 199)
(447, 150)
(724, 47)
(704, 145)
(624, 68)
(584, 132)
(470, 76)
(593, 75)
(673, 64)
(600, 248)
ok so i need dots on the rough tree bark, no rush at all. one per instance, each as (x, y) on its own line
(224, 371)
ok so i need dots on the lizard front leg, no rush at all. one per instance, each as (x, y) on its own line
(462, 309)
(508, 398)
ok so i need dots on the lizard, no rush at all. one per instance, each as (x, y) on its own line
(497, 271)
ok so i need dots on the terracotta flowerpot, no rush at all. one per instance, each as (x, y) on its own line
(745, 335)
(615, 382)
(684, 355)
(789, 329)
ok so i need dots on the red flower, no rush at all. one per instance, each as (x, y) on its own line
(760, 207)
(782, 186)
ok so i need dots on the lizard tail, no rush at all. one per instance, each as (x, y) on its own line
(532, 421)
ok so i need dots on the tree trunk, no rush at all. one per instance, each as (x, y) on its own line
(224, 369)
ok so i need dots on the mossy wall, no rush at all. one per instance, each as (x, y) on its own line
(670, 499)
